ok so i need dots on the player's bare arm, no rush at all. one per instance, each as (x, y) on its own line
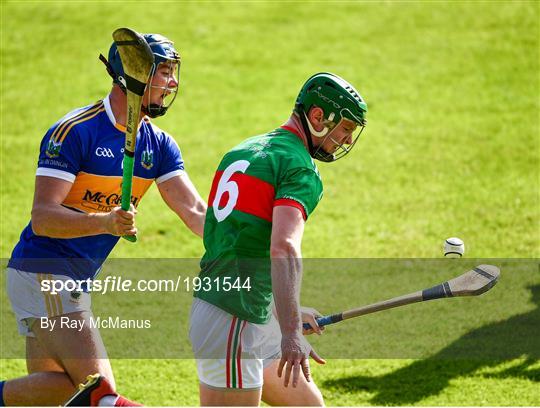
(182, 197)
(50, 218)
(287, 231)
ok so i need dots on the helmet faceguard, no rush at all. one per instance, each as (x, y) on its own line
(165, 57)
(168, 94)
(343, 148)
(339, 101)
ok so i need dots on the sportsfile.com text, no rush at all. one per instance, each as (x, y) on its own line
(120, 284)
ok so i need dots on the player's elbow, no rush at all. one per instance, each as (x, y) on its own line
(39, 221)
(194, 218)
(285, 248)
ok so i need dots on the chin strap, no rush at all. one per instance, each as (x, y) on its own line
(111, 73)
(306, 127)
(107, 65)
(153, 111)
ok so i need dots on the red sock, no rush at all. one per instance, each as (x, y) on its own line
(124, 402)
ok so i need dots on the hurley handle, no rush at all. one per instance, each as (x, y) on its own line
(326, 320)
(137, 61)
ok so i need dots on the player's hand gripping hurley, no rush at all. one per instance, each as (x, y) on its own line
(471, 283)
(137, 61)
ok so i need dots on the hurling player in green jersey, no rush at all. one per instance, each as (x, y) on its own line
(246, 320)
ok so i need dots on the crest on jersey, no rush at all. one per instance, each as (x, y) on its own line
(53, 148)
(147, 159)
(259, 147)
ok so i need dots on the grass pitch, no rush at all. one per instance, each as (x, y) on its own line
(451, 149)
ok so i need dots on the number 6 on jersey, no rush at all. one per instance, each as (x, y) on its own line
(226, 185)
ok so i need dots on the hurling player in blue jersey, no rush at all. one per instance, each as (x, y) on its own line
(76, 221)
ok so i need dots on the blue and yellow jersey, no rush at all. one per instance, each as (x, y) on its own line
(86, 148)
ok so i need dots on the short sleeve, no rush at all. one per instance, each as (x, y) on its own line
(60, 154)
(301, 188)
(172, 163)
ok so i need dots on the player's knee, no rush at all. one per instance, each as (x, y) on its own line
(319, 399)
(310, 395)
(314, 397)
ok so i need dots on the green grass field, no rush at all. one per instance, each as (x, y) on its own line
(451, 149)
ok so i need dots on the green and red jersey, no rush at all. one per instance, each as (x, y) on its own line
(257, 175)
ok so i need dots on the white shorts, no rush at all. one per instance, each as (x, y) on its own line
(29, 302)
(231, 353)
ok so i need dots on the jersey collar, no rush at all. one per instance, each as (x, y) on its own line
(110, 114)
(294, 132)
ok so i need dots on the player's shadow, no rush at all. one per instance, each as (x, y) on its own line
(488, 346)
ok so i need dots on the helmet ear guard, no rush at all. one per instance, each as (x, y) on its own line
(328, 125)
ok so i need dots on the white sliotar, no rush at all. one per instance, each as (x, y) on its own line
(454, 248)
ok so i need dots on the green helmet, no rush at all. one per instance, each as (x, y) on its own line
(339, 100)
